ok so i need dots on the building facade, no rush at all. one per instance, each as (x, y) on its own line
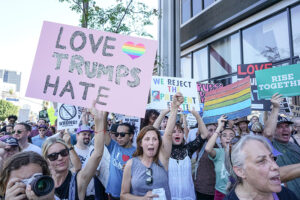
(215, 36)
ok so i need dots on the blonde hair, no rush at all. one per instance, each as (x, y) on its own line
(49, 142)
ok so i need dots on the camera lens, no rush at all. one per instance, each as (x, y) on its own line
(43, 185)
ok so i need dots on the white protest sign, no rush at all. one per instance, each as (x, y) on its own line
(23, 115)
(164, 88)
(68, 116)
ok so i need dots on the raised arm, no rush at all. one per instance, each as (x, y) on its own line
(185, 126)
(85, 175)
(75, 160)
(160, 118)
(166, 148)
(209, 148)
(201, 126)
(289, 172)
(271, 123)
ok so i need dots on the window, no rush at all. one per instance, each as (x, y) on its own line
(226, 81)
(197, 6)
(185, 10)
(267, 41)
(225, 55)
(207, 3)
(186, 67)
(200, 64)
(5, 77)
(295, 14)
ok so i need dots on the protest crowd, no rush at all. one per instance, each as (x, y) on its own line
(106, 158)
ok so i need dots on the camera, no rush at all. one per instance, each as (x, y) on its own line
(41, 185)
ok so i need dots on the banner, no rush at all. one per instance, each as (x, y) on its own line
(51, 115)
(164, 88)
(23, 115)
(233, 100)
(75, 65)
(285, 80)
(202, 88)
(249, 70)
(68, 117)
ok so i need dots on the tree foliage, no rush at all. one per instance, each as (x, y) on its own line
(126, 17)
(6, 109)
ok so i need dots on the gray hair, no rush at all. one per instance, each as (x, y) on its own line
(238, 155)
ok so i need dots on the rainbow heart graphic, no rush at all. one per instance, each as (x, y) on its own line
(132, 50)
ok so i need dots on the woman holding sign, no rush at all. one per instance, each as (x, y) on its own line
(70, 185)
(146, 174)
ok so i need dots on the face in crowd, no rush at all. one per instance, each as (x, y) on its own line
(283, 132)
(152, 119)
(150, 143)
(42, 132)
(243, 126)
(20, 133)
(84, 137)
(211, 128)
(226, 136)
(177, 136)
(123, 136)
(163, 124)
(41, 122)
(254, 119)
(297, 125)
(260, 170)
(58, 157)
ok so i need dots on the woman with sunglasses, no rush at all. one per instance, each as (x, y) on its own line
(69, 185)
(146, 174)
(217, 155)
(251, 163)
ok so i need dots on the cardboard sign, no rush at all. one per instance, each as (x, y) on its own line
(285, 107)
(43, 114)
(285, 80)
(69, 116)
(233, 100)
(164, 88)
(75, 65)
(23, 115)
(202, 88)
(249, 70)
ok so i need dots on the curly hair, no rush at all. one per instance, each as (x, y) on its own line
(18, 160)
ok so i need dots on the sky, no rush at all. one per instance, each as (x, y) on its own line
(21, 22)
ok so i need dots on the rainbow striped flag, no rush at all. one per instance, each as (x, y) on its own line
(233, 100)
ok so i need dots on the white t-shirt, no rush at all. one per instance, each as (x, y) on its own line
(34, 148)
(82, 153)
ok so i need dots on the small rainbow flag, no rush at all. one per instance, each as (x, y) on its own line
(132, 50)
(233, 100)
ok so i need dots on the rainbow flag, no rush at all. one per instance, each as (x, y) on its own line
(233, 100)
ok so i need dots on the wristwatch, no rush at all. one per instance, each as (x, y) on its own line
(71, 148)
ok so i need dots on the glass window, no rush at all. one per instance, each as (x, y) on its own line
(200, 64)
(186, 66)
(207, 3)
(197, 7)
(267, 41)
(226, 81)
(185, 10)
(295, 13)
(225, 55)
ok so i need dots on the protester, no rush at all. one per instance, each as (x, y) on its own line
(205, 176)
(73, 185)
(22, 166)
(148, 170)
(8, 147)
(257, 128)
(161, 121)
(11, 123)
(83, 138)
(39, 139)
(278, 130)
(242, 124)
(120, 151)
(296, 133)
(150, 117)
(21, 133)
(252, 164)
(217, 155)
(35, 132)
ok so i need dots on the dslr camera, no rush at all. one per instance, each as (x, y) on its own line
(40, 184)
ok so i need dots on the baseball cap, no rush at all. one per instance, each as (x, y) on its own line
(282, 119)
(43, 126)
(84, 128)
(9, 140)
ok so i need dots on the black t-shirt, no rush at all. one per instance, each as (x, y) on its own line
(62, 191)
(285, 194)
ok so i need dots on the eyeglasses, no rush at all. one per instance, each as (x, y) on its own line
(17, 132)
(122, 134)
(54, 156)
(149, 179)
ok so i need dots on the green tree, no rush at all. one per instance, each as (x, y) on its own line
(126, 17)
(6, 109)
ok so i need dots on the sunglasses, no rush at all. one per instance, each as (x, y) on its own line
(17, 132)
(122, 134)
(149, 179)
(54, 156)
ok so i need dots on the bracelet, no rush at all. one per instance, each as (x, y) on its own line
(96, 132)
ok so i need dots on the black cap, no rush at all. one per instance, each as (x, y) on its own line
(282, 119)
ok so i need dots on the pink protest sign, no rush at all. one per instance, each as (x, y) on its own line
(75, 66)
